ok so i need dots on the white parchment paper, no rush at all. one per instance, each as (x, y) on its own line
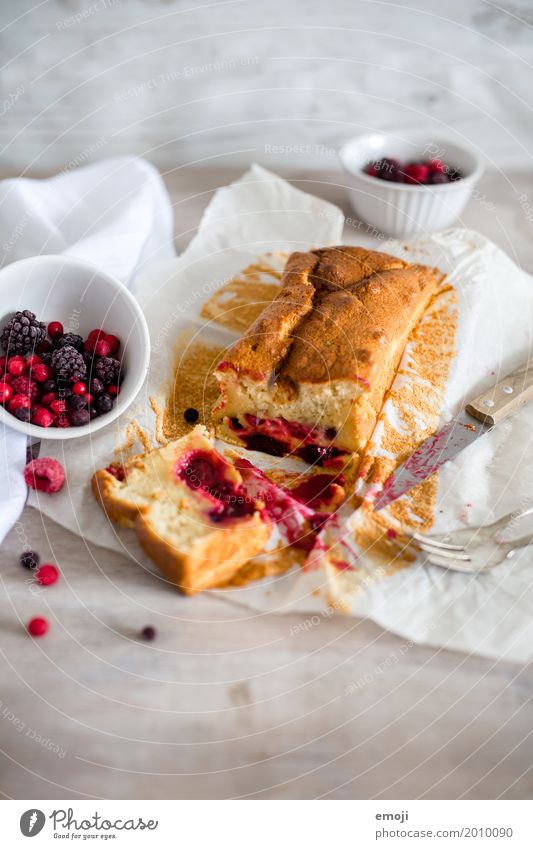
(490, 614)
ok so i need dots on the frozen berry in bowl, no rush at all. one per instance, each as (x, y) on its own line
(22, 333)
(79, 331)
(103, 403)
(77, 402)
(68, 364)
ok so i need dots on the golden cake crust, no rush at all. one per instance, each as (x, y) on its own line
(325, 351)
(335, 317)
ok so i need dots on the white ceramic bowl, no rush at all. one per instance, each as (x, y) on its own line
(81, 297)
(400, 209)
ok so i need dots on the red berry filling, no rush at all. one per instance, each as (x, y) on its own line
(206, 471)
(279, 437)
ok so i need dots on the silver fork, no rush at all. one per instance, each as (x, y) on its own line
(473, 549)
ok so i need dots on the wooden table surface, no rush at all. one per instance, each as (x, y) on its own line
(228, 703)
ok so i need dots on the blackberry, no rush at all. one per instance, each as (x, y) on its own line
(96, 387)
(22, 334)
(106, 369)
(68, 363)
(103, 403)
(71, 339)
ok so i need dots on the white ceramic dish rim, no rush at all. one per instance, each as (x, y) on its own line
(124, 402)
(471, 178)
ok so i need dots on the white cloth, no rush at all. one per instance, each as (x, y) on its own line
(115, 214)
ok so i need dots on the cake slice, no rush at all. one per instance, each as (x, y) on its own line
(190, 509)
(310, 376)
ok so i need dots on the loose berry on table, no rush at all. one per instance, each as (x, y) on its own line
(38, 626)
(45, 474)
(47, 574)
(29, 559)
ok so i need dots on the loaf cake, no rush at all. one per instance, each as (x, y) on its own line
(310, 376)
(190, 509)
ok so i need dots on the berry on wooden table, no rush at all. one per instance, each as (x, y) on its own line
(45, 474)
(47, 574)
(38, 626)
(29, 559)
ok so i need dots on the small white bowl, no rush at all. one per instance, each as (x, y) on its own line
(81, 297)
(401, 209)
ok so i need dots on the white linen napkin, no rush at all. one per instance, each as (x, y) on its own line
(115, 214)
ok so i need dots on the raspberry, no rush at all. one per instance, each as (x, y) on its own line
(45, 474)
(437, 166)
(42, 417)
(46, 574)
(55, 328)
(40, 373)
(102, 348)
(5, 392)
(38, 626)
(113, 342)
(24, 386)
(92, 339)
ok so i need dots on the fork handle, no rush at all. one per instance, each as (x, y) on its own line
(505, 398)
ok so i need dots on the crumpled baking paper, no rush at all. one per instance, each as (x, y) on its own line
(490, 614)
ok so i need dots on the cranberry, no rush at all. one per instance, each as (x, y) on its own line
(16, 366)
(46, 574)
(38, 626)
(88, 398)
(48, 398)
(148, 633)
(79, 388)
(58, 406)
(3, 361)
(114, 390)
(31, 362)
(40, 373)
(42, 417)
(92, 339)
(55, 328)
(5, 392)
(102, 348)
(416, 172)
(18, 401)
(113, 342)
